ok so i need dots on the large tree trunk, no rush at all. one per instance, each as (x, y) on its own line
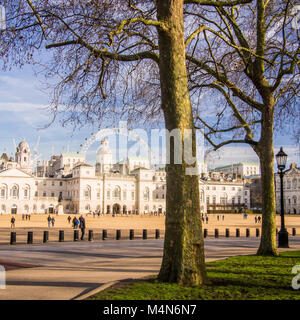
(265, 152)
(183, 258)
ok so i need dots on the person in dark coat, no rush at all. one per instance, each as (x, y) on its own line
(12, 221)
(82, 226)
(49, 221)
(74, 222)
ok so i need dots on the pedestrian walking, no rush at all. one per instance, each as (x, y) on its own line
(12, 221)
(218, 217)
(49, 221)
(23, 217)
(223, 217)
(259, 218)
(29, 217)
(206, 219)
(69, 219)
(82, 226)
(255, 219)
(52, 221)
(74, 222)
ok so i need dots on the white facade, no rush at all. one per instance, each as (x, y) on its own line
(241, 168)
(78, 187)
(291, 190)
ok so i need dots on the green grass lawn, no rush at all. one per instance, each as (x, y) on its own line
(239, 278)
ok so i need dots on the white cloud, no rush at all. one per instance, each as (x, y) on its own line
(21, 107)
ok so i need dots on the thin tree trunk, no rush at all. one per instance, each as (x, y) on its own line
(265, 152)
(183, 258)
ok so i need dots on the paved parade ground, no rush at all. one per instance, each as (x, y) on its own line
(69, 270)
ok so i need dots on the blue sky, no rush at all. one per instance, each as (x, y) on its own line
(22, 114)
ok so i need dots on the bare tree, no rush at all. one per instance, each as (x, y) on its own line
(248, 58)
(104, 52)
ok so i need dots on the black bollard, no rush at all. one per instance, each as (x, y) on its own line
(61, 237)
(46, 236)
(131, 234)
(104, 234)
(227, 233)
(157, 234)
(144, 234)
(237, 233)
(216, 233)
(294, 231)
(118, 235)
(91, 235)
(76, 235)
(257, 232)
(205, 233)
(247, 233)
(13, 238)
(29, 237)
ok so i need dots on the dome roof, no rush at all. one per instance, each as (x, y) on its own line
(104, 148)
(23, 144)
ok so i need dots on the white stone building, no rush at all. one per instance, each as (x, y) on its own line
(241, 168)
(291, 190)
(130, 186)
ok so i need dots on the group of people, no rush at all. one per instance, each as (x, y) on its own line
(51, 221)
(26, 216)
(257, 219)
(78, 223)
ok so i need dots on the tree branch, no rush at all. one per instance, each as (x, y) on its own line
(218, 3)
(38, 18)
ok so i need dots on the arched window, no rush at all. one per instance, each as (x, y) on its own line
(87, 193)
(15, 192)
(294, 200)
(146, 194)
(288, 184)
(294, 183)
(26, 192)
(117, 193)
(3, 191)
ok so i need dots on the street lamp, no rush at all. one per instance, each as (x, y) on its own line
(283, 236)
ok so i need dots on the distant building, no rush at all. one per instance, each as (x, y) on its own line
(223, 192)
(291, 190)
(242, 168)
(67, 184)
(254, 183)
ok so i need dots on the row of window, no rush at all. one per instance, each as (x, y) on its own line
(52, 183)
(224, 200)
(223, 188)
(289, 184)
(14, 192)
